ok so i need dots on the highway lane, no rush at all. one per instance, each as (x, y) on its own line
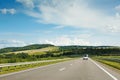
(70, 70)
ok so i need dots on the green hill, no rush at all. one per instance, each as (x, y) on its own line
(38, 51)
(29, 47)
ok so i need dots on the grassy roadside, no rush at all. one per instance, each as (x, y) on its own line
(112, 61)
(11, 69)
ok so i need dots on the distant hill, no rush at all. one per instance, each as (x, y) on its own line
(38, 51)
(37, 48)
(29, 47)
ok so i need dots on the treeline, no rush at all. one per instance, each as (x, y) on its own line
(95, 50)
(30, 47)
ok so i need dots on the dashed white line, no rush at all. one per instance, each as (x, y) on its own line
(62, 69)
(71, 64)
(113, 77)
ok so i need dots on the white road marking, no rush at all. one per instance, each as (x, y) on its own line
(71, 64)
(62, 69)
(113, 77)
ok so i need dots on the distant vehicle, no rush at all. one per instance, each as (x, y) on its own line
(85, 57)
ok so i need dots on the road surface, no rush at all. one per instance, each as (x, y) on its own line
(70, 70)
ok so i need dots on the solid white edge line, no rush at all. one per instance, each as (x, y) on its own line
(113, 77)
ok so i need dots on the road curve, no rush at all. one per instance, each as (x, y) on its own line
(70, 70)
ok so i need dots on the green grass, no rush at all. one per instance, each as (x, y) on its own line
(10, 69)
(113, 61)
(37, 51)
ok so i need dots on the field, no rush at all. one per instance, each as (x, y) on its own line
(38, 51)
(113, 61)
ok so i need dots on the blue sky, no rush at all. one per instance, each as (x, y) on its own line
(59, 22)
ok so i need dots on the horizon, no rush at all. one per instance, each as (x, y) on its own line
(59, 22)
(59, 46)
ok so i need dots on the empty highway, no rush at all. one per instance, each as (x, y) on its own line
(70, 70)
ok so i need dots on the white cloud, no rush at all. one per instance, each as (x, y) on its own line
(69, 14)
(59, 27)
(118, 15)
(5, 11)
(82, 40)
(117, 7)
(66, 40)
(74, 13)
(11, 43)
(113, 28)
(12, 11)
(27, 3)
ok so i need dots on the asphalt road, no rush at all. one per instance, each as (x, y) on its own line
(70, 70)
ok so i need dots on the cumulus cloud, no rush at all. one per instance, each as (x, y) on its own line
(5, 11)
(11, 43)
(112, 28)
(67, 40)
(74, 13)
